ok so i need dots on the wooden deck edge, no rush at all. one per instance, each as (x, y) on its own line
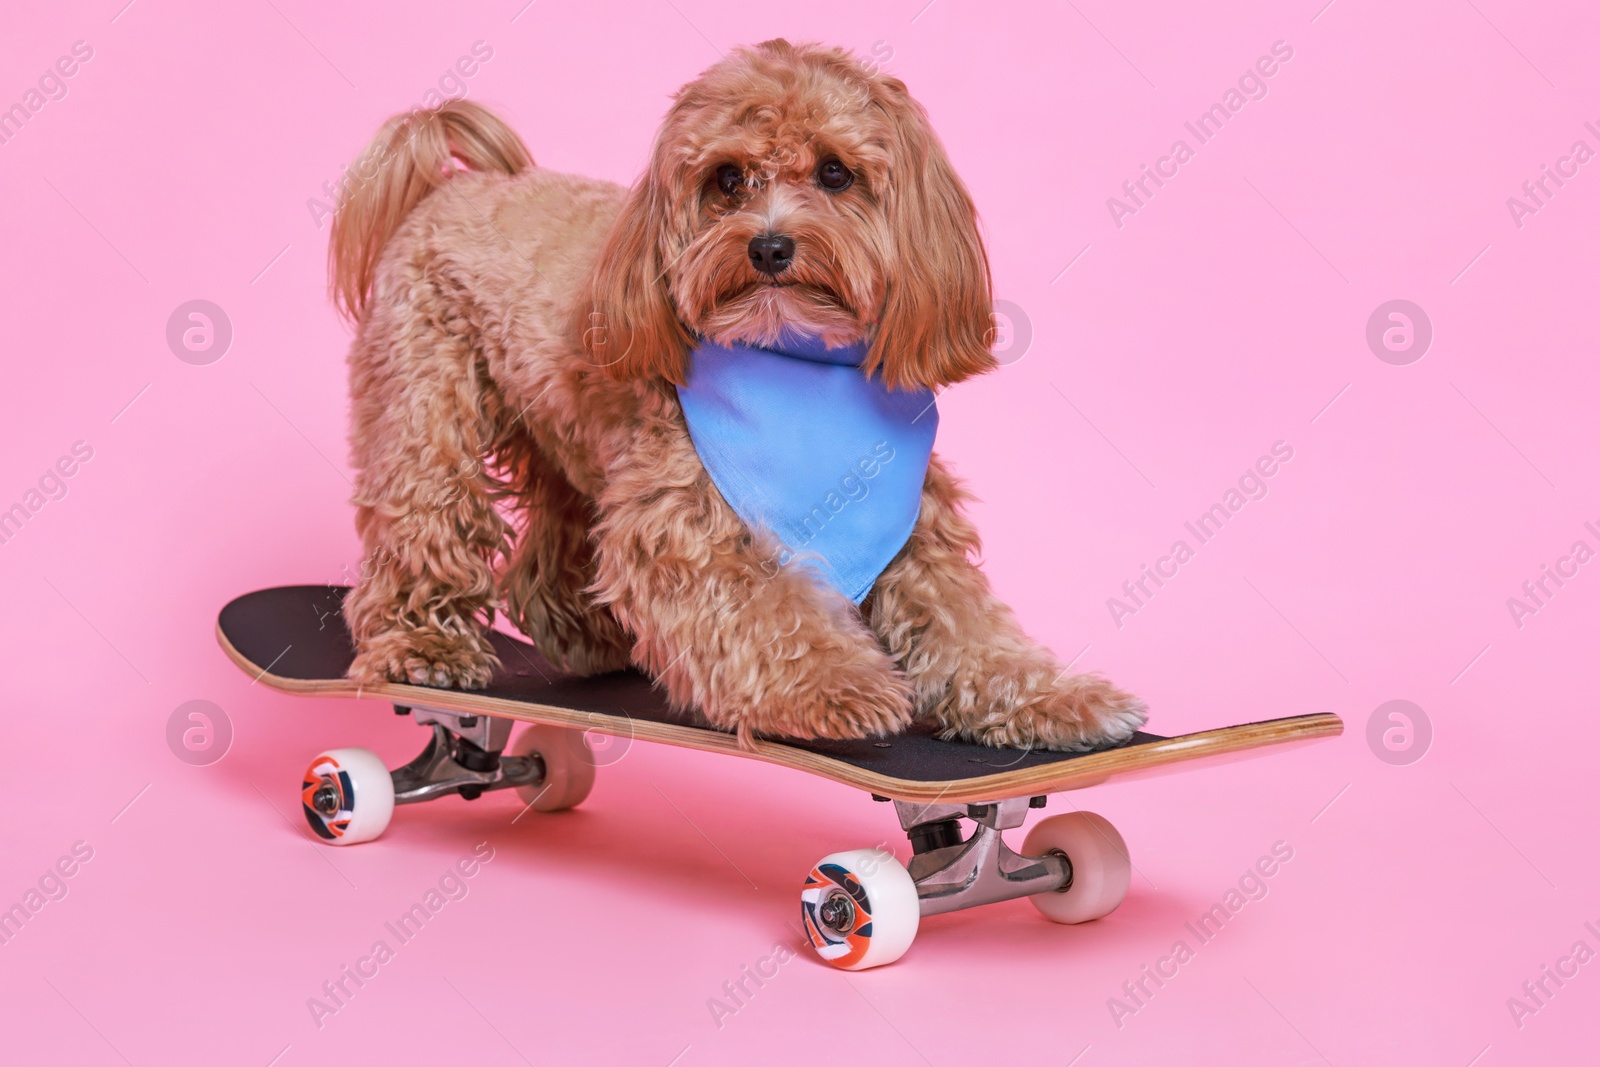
(1049, 778)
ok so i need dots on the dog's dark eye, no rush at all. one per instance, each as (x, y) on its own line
(729, 179)
(834, 176)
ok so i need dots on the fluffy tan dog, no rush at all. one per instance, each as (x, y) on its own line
(520, 334)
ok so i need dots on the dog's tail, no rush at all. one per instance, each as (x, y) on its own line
(412, 155)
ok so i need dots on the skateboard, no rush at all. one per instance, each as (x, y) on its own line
(860, 908)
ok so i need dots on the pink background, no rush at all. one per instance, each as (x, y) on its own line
(1224, 316)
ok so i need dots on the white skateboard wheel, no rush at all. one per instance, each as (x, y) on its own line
(347, 795)
(860, 909)
(1100, 866)
(568, 766)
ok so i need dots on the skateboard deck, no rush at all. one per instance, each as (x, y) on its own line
(294, 639)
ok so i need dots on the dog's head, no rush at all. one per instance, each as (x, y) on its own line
(792, 189)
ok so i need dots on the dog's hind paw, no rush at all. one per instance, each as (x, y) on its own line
(426, 657)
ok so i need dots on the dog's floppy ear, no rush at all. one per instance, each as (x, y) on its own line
(938, 314)
(631, 329)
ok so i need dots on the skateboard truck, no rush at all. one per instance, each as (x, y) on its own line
(862, 907)
(952, 874)
(465, 756)
(348, 795)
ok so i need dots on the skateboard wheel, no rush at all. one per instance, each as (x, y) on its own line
(1100, 866)
(860, 909)
(347, 795)
(568, 767)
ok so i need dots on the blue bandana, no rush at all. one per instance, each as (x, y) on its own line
(804, 445)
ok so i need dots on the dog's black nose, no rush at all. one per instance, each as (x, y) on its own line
(771, 253)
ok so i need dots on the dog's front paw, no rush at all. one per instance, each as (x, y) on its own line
(851, 702)
(426, 657)
(1074, 713)
(1087, 712)
(837, 701)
